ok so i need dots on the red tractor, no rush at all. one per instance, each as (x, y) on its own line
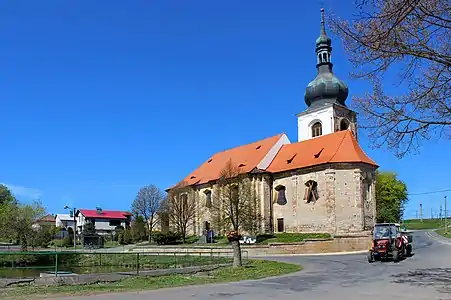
(389, 242)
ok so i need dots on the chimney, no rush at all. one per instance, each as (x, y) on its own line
(99, 210)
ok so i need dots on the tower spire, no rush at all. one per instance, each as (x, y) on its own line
(323, 26)
(326, 87)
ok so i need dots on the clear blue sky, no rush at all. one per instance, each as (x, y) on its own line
(102, 97)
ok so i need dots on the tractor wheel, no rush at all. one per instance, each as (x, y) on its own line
(370, 256)
(409, 250)
(395, 255)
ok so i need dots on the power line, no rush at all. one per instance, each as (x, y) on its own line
(431, 192)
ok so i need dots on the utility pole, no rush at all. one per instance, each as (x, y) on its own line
(421, 212)
(416, 213)
(441, 217)
(446, 219)
(432, 216)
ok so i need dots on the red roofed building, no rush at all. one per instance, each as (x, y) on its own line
(324, 182)
(47, 220)
(105, 221)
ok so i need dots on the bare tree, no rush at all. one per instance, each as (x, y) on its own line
(413, 38)
(182, 206)
(235, 206)
(147, 204)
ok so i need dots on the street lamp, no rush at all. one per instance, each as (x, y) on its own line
(73, 210)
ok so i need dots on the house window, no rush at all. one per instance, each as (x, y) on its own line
(208, 203)
(344, 124)
(115, 223)
(281, 198)
(311, 191)
(317, 129)
(280, 225)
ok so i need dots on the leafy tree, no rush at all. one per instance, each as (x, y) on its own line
(6, 197)
(146, 204)
(182, 206)
(391, 197)
(411, 37)
(125, 237)
(235, 207)
(44, 235)
(89, 229)
(22, 217)
(138, 229)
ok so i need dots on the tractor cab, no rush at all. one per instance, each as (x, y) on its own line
(385, 231)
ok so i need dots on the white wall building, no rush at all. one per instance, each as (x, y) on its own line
(65, 221)
(105, 221)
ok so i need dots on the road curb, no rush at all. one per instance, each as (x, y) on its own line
(310, 254)
(435, 236)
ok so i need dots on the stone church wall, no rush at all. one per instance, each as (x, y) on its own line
(343, 205)
(346, 201)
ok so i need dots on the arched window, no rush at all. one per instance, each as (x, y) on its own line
(319, 58)
(317, 129)
(344, 124)
(311, 191)
(281, 198)
(208, 203)
(324, 57)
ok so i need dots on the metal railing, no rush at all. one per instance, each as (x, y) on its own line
(44, 264)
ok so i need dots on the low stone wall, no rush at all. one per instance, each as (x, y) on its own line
(339, 243)
(97, 278)
(347, 243)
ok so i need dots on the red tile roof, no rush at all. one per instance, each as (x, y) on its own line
(47, 218)
(338, 147)
(247, 157)
(106, 214)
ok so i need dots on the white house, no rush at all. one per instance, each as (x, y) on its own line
(105, 221)
(65, 221)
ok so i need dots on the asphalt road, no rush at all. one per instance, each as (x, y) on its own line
(426, 275)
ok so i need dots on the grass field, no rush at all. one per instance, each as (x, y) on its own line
(130, 260)
(416, 224)
(255, 269)
(292, 237)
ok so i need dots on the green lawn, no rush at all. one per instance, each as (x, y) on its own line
(416, 224)
(129, 260)
(255, 269)
(442, 232)
(290, 237)
(263, 239)
(112, 244)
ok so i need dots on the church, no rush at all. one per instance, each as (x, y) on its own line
(324, 182)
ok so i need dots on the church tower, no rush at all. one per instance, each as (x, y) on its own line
(325, 97)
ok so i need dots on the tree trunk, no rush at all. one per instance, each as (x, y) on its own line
(236, 254)
(149, 228)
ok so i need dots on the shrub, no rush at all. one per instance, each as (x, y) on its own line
(191, 239)
(167, 238)
(263, 237)
(67, 242)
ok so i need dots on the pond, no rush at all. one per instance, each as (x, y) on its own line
(35, 272)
